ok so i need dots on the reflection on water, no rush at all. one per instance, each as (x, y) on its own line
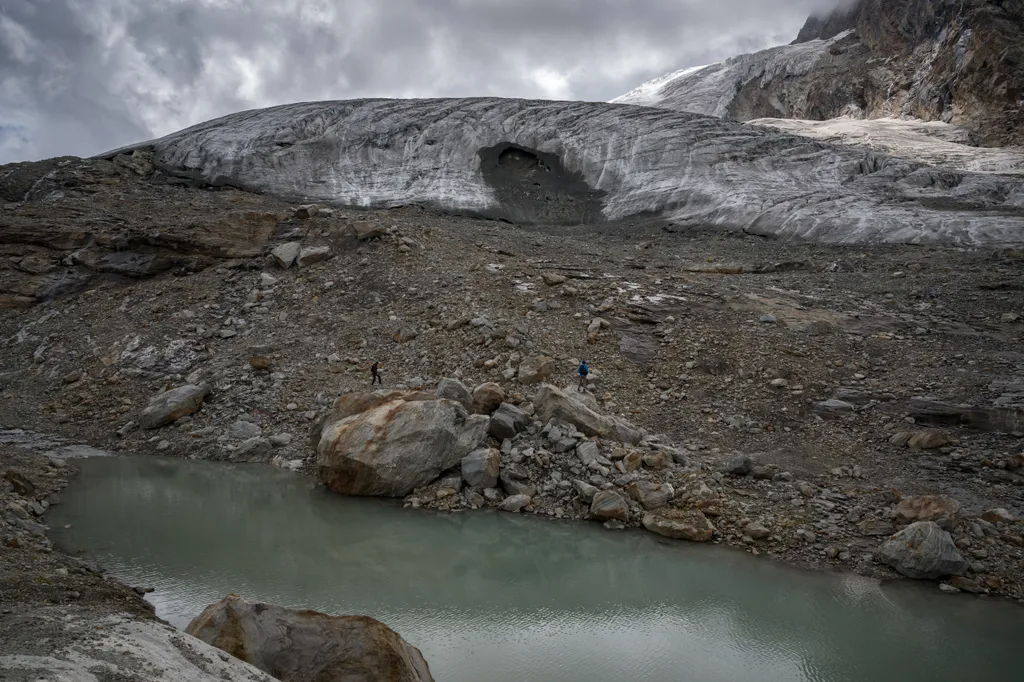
(490, 596)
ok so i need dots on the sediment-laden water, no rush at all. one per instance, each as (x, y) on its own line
(501, 597)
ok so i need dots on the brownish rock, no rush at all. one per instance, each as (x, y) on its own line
(938, 508)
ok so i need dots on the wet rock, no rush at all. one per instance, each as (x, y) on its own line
(300, 645)
(608, 504)
(739, 465)
(170, 406)
(453, 389)
(286, 254)
(923, 551)
(481, 467)
(507, 421)
(514, 503)
(680, 524)
(487, 398)
(397, 446)
(537, 369)
(943, 510)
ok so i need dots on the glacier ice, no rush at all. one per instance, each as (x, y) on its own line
(695, 170)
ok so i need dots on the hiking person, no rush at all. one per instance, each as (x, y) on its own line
(375, 373)
(583, 371)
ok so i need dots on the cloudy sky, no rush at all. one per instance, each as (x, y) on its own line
(83, 76)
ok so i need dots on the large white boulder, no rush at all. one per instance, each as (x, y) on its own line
(396, 445)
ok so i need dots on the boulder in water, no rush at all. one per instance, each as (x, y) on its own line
(303, 645)
(923, 551)
(397, 446)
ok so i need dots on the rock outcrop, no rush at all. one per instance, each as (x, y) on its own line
(923, 551)
(396, 445)
(587, 162)
(935, 60)
(299, 645)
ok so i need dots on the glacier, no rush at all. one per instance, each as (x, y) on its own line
(578, 162)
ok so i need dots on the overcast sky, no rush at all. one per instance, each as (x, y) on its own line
(84, 76)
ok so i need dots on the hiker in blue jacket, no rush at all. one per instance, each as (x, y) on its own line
(583, 371)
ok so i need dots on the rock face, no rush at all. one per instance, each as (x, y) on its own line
(170, 406)
(936, 60)
(942, 510)
(299, 645)
(481, 467)
(553, 403)
(681, 524)
(608, 504)
(396, 446)
(596, 162)
(923, 551)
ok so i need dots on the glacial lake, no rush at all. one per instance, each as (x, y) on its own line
(499, 597)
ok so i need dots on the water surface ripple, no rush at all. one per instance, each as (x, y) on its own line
(500, 597)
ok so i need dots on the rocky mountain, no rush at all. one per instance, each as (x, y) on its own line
(537, 162)
(956, 61)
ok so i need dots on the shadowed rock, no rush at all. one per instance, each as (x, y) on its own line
(302, 645)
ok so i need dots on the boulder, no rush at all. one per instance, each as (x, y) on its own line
(681, 524)
(756, 531)
(507, 421)
(243, 430)
(170, 406)
(923, 551)
(364, 231)
(552, 278)
(587, 452)
(487, 398)
(651, 496)
(514, 503)
(300, 645)
(255, 449)
(313, 254)
(608, 504)
(285, 254)
(999, 516)
(536, 369)
(659, 459)
(553, 403)
(397, 446)
(739, 465)
(453, 389)
(481, 467)
(585, 490)
(919, 440)
(938, 508)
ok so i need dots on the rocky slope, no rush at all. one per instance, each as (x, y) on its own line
(584, 162)
(955, 61)
(818, 361)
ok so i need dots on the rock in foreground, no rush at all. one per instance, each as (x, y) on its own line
(681, 524)
(923, 551)
(302, 645)
(394, 447)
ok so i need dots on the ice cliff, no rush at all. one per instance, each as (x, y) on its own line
(573, 162)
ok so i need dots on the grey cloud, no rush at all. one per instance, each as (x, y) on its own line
(82, 77)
